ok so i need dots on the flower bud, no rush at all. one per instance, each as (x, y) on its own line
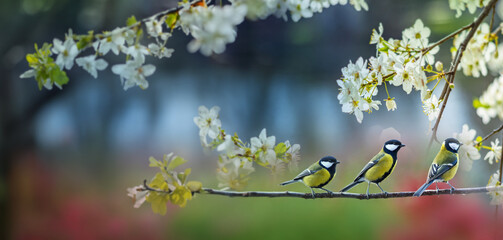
(439, 66)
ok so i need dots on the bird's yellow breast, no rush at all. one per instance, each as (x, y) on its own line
(317, 179)
(447, 176)
(379, 170)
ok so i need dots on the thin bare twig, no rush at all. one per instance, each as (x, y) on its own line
(427, 49)
(348, 195)
(454, 66)
(490, 135)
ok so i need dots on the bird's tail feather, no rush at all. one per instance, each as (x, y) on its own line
(422, 189)
(288, 182)
(351, 185)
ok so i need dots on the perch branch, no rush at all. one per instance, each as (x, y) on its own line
(348, 195)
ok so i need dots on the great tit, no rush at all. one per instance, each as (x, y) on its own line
(317, 175)
(379, 167)
(444, 166)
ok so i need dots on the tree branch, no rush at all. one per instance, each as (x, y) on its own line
(455, 63)
(490, 135)
(348, 195)
(427, 49)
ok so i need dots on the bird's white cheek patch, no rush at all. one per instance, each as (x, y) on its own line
(391, 147)
(326, 164)
(454, 146)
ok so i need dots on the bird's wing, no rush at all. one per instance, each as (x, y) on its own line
(372, 162)
(307, 172)
(436, 170)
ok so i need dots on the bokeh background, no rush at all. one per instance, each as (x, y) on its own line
(68, 156)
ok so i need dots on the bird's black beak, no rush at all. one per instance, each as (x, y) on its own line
(337, 162)
(403, 145)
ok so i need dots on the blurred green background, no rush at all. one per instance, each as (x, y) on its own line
(68, 156)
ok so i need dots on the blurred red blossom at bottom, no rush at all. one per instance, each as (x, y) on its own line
(445, 217)
(43, 206)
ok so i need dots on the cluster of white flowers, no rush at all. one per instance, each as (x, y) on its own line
(399, 62)
(479, 51)
(496, 197)
(232, 173)
(261, 9)
(461, 5)
(212, 27)
(490, 104)
(236, 157)
(467, 152)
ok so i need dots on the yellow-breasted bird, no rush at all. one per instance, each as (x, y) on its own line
(379, 167)
(317, 175)
(444, 166)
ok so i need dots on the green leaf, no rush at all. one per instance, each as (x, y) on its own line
(183, 176)
(180, 196)
(158, 181)
(177, 161)
(85, 40)
(158, 202)
(131, 21)
(58, 76)
(171, 19)
(280, 149)
(153, 162)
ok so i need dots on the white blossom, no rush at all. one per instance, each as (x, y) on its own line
(390, 104)
(138, 194)
(496, 197)
(461, 5)
(299, 9)
(233, 172)
(264, 146)
(359, 5)
(113, 41)
(474, 61)
(66, 51)
(431, 107)
(160, 51)
(91, 65)
(376, 34)
(293, 154)
(154, 29)
(212, 27)
(209, 123)
(417, 35)
(467, 152)
(134, 72)
(490, 104)
(495, 153)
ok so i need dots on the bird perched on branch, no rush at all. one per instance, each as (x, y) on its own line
(317, 175)
(444, 166)
(379, 167)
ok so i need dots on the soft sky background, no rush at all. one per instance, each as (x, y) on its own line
(68, 156)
